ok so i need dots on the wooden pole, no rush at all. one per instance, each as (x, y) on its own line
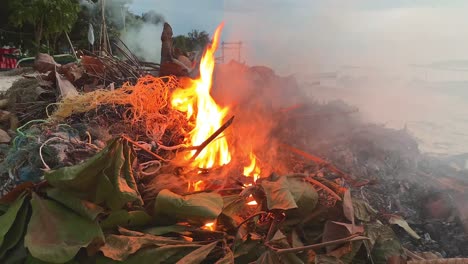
(71, 46)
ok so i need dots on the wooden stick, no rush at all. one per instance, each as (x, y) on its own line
(412, 254)
(212, 137)
(319, 161)
(316, 246)
(143, 148)
(324, 187)
(71, 46)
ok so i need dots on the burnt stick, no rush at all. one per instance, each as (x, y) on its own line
(212, 137)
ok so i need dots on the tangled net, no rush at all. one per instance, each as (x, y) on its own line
(146, 103)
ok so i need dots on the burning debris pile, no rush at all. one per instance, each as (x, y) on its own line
(163, 170)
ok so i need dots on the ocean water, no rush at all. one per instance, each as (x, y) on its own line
(432, 105)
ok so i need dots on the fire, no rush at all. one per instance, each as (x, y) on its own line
(252, 169)
(251, 200)
(209, 226)
(196, 101)
(198, 186)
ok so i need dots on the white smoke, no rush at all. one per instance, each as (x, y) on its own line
(144, 41)
(140, 33)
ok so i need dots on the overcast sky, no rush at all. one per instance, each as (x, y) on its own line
(293, 34)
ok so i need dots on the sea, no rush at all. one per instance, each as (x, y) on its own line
(430, 102)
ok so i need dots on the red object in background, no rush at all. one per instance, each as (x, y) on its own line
(7, 63)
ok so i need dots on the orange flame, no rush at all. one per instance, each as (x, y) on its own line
(251, 200)
(196, 100)
(198, 186)
(211, 226)
(252, 169)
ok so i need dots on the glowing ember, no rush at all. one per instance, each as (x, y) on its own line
(209, 226)
(196, 101)
(252, 169)
(251, 201)
(198, 186)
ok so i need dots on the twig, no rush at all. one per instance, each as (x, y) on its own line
(172, 147)
(412, 254)
(212, 137)
(278, 218)
(319, 161)
(250, 218)
(324, 187)
(315, 246)
(242, 223)
(143, 148)
(71, 46)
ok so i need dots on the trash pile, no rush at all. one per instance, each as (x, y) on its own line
(95, 173)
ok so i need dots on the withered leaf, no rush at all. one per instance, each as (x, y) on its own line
(278, 194)
(126, 218)
(119, 247)
(324, 259)
(198, 255)
(154, 255)
(397, 220)
(269, 257)
(362, 210)
(348, 208)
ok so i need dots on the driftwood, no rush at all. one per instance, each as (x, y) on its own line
(170, 65)
(166, 44)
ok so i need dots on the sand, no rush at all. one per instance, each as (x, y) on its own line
(7, 81)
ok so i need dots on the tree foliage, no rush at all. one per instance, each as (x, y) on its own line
(48, 17)
(194, 40)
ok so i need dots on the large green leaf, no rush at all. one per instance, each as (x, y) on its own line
(199, 207)
(55, 233)
(126, 219)
(7, 219)
(198, 255)
(305, 196)
(106, 177)
(79, 206)
(119, 247)
(16, 255)
(278, 194)
(164, 254)
(12, 225)
(16, 232)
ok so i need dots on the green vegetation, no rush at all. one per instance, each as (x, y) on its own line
(49, 18)
(194, 40)
(40, 25)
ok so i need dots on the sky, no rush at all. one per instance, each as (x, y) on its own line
(385, 37)
(293, 34)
